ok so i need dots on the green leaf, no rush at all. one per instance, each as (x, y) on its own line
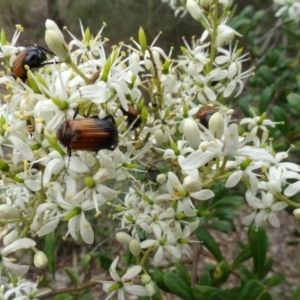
(224, 213)
(215, 296)
(266, 98)
(85, 262)
(105, 260)
(298, 81)
(231, 201)
(280, 115)
(72, 277)
(50, 252)
(221, 273)
(245, 274)
(209, 242)
(294, 100)
(201, 292)
(182, 272)
(267, 267)
(158, 277)
(223, 226)
(244, 255)
(178, 286)
(254, 290)
(258, 242)
(205, 278)
(276, 279)
(296, 295)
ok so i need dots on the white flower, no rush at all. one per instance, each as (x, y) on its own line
(123, 285)
(264, 209)
(18, 270)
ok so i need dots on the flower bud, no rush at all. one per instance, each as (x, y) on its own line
(142, 39)
(55, 41)
(192, 133)
(231, 144)
(192, 184)
(134, 247)
(159, 136)
(296, 213)
(161, 178)
(216, 125)
(40, 260)
(8, 212)
(273, 187)
(123, 238)
(225, 35)
(194, 9)
(147, 281)
(10, 237)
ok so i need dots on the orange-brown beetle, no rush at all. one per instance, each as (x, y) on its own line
(205, 113)
(89, 134)
(33, 56)
(133, 118)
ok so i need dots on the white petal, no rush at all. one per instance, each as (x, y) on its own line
(131, 273)
(22, 147)
(18, 245)
(86, 230)
(77, 165)
(234, 179)
(52, 167)
(274, 221)
(203, 194)
(158, 256)
(136, 290)
(18, 270)
(195, 160)
(292, 189)
(249, 219)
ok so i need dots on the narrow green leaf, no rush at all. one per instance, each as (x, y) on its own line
(252, 290)
(223, 226)
(294, 100)
(232, 201)
(244, 255)
(221, 273)
(178, 286)
(265, 73)
(245, 274)
(105, 260)
(201, 292)
(209, 242)
(267, 267)
(296, 295)
(266, 99)
(280, 115)
(298, 80)
(205, 278)
(276, 279)
(182, 272)
(85, 262)
(158, 277)
(224, 213)
(258, 242)
(72, 277)
(215, 296)
(50, 247)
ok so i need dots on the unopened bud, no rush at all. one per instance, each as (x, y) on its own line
(192, 133)
(192, 184)
(56, 41)
(40, 260)
(8, 212)
(147, 281)
(161, 178)
(273, 187)
(134, 247)
(194, 9)
(216, 125)
(159, 136)
(123, 238)
(296, 213)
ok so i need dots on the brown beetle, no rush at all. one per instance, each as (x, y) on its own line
(89, 134)
(33, 56)
(133, 118)
(205, 113)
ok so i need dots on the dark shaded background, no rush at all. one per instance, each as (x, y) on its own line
(123, 18)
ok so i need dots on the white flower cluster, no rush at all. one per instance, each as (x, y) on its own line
(166, 112)
(290, 9)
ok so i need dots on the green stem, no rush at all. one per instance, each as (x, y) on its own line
(76, 69)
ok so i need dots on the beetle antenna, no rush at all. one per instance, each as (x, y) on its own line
(46, 50)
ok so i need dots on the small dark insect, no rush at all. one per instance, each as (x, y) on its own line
(30, 125)
(33, 56)
(133, 118)
(152, 173)
(205, 113)
(89, 134)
